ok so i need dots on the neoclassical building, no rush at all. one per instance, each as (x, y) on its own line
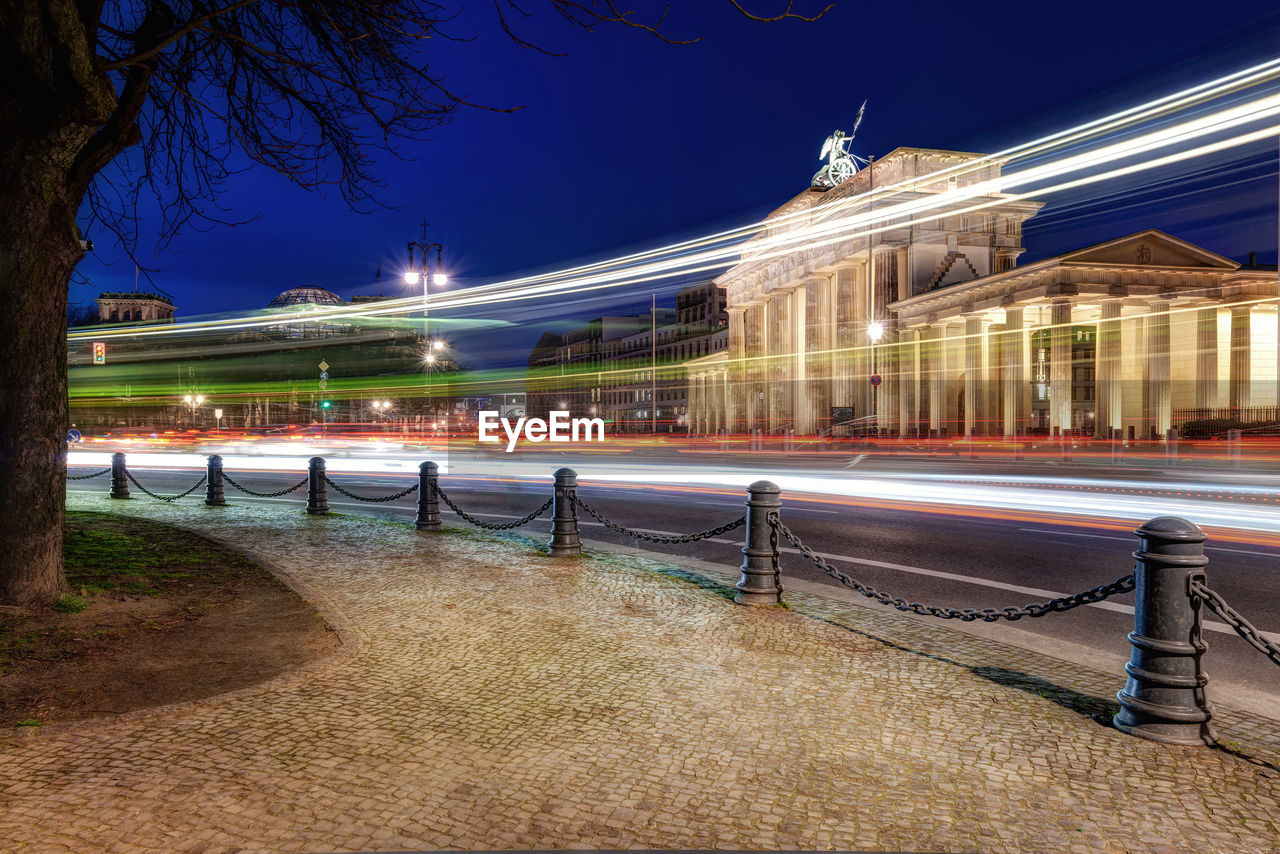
(928, 326)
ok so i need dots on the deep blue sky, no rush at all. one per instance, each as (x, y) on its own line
(627, 140)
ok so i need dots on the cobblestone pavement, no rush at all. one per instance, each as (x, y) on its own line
(488, 696)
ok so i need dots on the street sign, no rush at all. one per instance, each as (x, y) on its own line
(324, 366)
(324, 384)
(73, 436)
(875, 379)
(324, 375)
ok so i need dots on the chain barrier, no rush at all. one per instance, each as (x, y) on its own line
(1236, 620)
(490, 526)
(401, 494)
(284, 491)
(106, 470)
(968, 615)
(199, 484)
(657, 538)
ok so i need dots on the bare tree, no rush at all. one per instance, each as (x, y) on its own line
(162, 91)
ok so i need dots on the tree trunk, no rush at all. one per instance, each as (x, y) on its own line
(39, 248)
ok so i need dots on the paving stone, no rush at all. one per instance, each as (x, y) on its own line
(488, 696)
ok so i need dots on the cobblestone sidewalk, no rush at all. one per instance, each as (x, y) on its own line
(488, 697)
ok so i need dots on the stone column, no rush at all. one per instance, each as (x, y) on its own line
(845, 326)
(776, 386)
(1239, 396)
(992, 360)
(1060, 365)
(737, 414)
(798, 367)
(935, 359)
(973, 386)
(908, 382)
(1013, 413)
(1160, 411)
(1106, 371)
(1207, 358)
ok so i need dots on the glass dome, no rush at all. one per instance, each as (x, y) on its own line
(305, 296)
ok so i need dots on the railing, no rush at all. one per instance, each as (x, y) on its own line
(1164, 695)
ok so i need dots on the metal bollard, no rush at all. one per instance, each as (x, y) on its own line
(317, 495)
(213, 486)
(428, 499)
(119, 480)
(1117, 444)
(1171, 446)
(564, 516)
(1163, 698)
(760, 583)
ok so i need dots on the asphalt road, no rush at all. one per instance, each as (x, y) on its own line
(942, 555)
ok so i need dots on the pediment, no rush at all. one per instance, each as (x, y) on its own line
(1150, 248)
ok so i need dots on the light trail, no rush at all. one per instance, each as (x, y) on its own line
(830, 223)
(1090, 500)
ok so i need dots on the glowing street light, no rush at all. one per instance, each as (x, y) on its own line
(875, 331)
(437, 344)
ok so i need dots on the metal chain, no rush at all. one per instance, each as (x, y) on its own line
(199, 484)
(400, 494)
(87, 476)
(284, 491)
(507, 526)
(1236, 620)
(968, 615)
(658, 538)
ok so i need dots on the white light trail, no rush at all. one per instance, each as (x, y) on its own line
(853, 217)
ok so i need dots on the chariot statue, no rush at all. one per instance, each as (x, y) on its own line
(841, 163)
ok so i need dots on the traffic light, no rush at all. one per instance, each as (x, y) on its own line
(325, 405)
(99, 352)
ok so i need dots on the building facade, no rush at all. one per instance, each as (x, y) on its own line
(926, 325)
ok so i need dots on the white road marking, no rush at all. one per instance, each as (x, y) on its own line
(1131, 539)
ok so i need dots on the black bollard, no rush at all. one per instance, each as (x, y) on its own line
(317, 495)
(760, 583)
(564, 516)
(1163, 698)
(428, 498)
(119, 480)
(213, 486)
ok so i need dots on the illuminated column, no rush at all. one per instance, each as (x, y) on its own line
(973, 391)
(777, 347)
(798, 369)
(1013, 380)
(845, 329)
(1238, 391)
(937, 378)
(908, 371)
(737, 414)
(818, 347)
(1060, 365)
(1207, 358)
(1160, 410)
(1107, 369)
(992, 338)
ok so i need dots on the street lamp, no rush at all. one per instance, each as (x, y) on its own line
(875, 331)
(193, 400)
(422, 248)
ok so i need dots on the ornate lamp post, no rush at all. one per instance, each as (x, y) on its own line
(422, 250)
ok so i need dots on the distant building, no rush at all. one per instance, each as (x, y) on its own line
(930, 327)
(629, 370)
(126, 307)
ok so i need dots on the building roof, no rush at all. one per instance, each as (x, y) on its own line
(305, 296)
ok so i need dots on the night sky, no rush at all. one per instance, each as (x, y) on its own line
(628, 141)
